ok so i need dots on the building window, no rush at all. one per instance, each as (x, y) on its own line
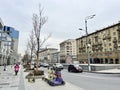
(114, 38)
(106, 60)
(113, 28)
(109, 44)
(110, 49)
(114, 33)
(105, 44)
(116, 61)
(111, 61)
(105, 50)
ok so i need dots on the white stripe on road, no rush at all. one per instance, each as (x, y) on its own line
(95, 77)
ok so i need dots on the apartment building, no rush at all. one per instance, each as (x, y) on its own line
(103, 46)
(68, 51)
(46, 55)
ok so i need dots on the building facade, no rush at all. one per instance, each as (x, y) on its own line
(46, 55)
(68, 51)
(14, 35)
(55, 57)
(9, 38)
(103, 46)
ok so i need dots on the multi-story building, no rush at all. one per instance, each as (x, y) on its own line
(1, 24)
(14, 34)
(8, 44)
(46, 55)
(103, 46)
(68, 51)
(55, 58)
(5, 41)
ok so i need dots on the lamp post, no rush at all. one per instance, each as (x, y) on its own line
(87, 50)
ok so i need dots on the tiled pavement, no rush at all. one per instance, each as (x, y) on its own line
(8, 81)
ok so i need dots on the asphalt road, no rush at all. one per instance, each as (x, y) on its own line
(93, 81)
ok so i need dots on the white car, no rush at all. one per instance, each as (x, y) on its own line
(59, 66)
(45, 65)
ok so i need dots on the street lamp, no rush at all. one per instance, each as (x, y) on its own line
(87, 50)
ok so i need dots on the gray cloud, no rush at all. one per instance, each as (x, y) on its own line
(64, 17)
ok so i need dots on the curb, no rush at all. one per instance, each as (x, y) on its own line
(97, 72)
(104, 72)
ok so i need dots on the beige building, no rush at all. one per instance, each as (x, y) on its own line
(46, 55)
(68, 51)
(103, 46)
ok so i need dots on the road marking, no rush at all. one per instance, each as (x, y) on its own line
(95, 77)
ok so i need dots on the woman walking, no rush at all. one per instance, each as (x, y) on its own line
(16, 69)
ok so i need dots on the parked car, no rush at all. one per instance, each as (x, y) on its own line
(59, 66)
(44, 65)
(75, 68)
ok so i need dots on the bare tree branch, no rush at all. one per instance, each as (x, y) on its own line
(38, 22)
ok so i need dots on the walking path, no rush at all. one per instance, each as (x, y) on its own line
(8, 80)
(39, 84)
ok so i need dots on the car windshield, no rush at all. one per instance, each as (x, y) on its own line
(76, 65)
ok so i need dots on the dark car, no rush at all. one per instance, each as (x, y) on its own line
(75, 68)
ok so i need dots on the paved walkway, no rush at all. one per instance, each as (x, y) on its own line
(39, 84)
(8, 80)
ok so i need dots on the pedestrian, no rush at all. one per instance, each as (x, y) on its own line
(5, 67)
(54, 67)
(16, 69)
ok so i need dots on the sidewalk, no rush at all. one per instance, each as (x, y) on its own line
(8, 80)
(110, 71)
(39, 84)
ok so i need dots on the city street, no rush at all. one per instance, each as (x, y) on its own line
(93, 81)
(83, 81)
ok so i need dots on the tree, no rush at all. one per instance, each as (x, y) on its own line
(38, 21)
(31, 44)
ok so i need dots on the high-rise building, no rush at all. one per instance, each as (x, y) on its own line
(14, 35)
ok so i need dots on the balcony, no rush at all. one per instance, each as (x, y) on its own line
(93, 48)
(115, 46)
(118, 29)
(114, 41)
(100, 48)
(108, 36)
(100, 43)
(104, 38)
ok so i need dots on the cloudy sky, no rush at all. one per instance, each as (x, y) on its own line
(64, 17)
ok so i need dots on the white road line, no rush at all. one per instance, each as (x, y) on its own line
(95, 77)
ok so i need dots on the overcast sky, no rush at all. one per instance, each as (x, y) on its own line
(64, 17)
